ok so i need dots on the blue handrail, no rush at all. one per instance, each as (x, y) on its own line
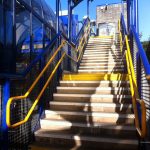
(81, 30)
(141, 51)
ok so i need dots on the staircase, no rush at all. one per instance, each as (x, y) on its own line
(92, 109)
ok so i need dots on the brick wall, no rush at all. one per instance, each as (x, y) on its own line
(107, 14)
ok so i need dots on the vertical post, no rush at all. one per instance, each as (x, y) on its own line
(88, 4)
(128, 14)
(31, 32)
(134, 3)
(69, 31)
(14, 32)
(58, 40)
(122, 7)
(42, 64)
(5, 97)
(57, 15)
(132, 12)
(137, 16)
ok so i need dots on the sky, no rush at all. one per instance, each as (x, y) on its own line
(144, 5)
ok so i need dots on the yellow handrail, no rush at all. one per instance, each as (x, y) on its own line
(11, 99)
(133, 88)
(28, 92)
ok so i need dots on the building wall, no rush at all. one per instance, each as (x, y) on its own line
(107, 17)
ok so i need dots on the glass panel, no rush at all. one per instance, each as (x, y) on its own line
(36, 5)
(23, 38)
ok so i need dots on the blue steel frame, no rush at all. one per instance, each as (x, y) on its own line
(69, 31)
(132, 14)
(8, 77)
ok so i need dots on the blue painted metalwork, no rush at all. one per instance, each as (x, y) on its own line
(137, 16)
(4, 128)
(141, 51)
(36, 14)
(134, 4)
(69, 31)
(123, 24)
(58, 40)
(31, 32)
(88, 3)
(132, 13)
(76, 3)
(81, 30)
(128, 15)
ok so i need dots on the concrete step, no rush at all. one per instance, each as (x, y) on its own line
(91, 107)
(101, 60)
(93, 90)
(95, 129)
(98, 46)
(106, 64)
(102, 67)
(99, 40)
(101, 57)
(103, 98)
(77, 141)
(101, 51)
(90, 117)
(101, 54)
(94, 83)
(101, 70)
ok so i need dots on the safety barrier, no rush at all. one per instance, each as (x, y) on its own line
(79, 49)
(125, 48)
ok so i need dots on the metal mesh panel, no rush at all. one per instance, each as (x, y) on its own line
(145, 95)
(143, 83)
(134, 56)
(21, 136)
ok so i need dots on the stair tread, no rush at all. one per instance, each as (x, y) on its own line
(117, 81)
(89, 125)
(69, 121)
(90, 104)
(94, 88)
(98, 114)
(43, 133)
(93, 95)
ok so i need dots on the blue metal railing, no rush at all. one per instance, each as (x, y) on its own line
(42, 53)
(141, 51)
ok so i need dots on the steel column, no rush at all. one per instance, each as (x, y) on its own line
(88, 3)
(4, 128)
(58, 40)
(31, 32)
(14, 24)
(69, 31)
(137, 16)
(57, 15)
(128, 14)
(132, 13)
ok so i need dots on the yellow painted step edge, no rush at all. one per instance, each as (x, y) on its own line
(94, 77)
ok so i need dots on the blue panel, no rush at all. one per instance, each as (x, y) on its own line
(4, 128)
